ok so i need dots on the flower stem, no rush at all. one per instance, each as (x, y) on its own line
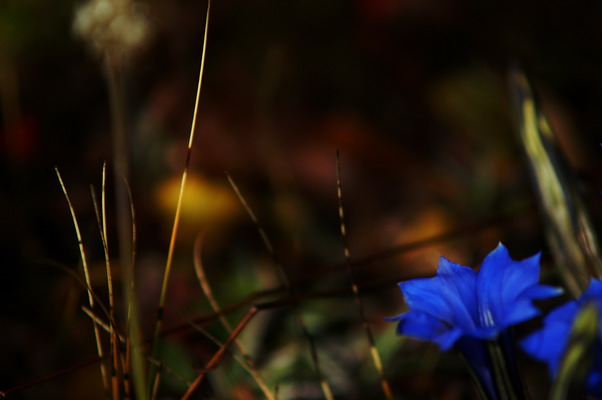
(493, 368)
(504, 385)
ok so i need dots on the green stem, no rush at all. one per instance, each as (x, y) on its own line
(117, 103)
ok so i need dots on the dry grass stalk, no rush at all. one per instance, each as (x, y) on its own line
(354, 287)
(286, 282)
(248, 363)
(99, 347)
(168, 264)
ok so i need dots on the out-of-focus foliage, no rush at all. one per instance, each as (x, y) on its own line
(414, 95)
(569, 229)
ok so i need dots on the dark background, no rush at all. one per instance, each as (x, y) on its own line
(413, 93)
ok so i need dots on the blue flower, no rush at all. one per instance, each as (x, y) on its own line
(471, 312)
(461, 303)
(549, 343)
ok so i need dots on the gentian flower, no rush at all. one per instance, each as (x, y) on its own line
(463, 309)
(549, 343)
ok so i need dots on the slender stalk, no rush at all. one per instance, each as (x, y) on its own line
(170, 371)
(49, 377)
(475, 379)
(285, 302)
(251, 299)
(200, 272)
(123, 339)
(504, 385)
(134, 360)
(134, 357)
(172, 242)
(241, 361)
(116, 354)
(115, 368)
(217, 357)
(356, 295)
(120, 160)
(117, 102)
(82, 252)
(156, 382)
(101, 222)
(286, 282)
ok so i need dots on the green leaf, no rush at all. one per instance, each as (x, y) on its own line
(569, 230)
(578, 356)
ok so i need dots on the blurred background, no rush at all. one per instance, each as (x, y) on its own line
(413, 93)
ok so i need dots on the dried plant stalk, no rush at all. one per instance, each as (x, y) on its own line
(286, 282)
(356, 294)
(217, 357)
(101, 222)
(248, 363)
(134, 356)
(123, 339)
(253, 298)
(82, 252)
(174, 232)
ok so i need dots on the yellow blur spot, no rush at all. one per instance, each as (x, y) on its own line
(204, 202)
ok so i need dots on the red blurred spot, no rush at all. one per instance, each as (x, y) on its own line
(21, 140)
(381, 9)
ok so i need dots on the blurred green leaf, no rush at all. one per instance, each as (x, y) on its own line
(569, 230)
(179, 362)
(578, 355)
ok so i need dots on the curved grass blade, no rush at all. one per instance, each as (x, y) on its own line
(569, 230)
(99, 347)
(578, 355)
(248, 363)
(326, 390)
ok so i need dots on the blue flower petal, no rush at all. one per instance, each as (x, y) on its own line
(592, 293)
(548, 344)
(420, 325)
(505, 288)
(459, 303)
(522, 310)
(449, 296)
(594, 383)
(541, 292)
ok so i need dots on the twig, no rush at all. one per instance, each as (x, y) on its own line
(286, 282)
(220, 353)
(356, 295)
(251, 368)
(217, 342)
(254, 297)
(123, 339)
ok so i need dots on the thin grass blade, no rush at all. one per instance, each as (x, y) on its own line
(578, 356)
(172, 242)
(204, 283)
(82, 251)
(354, 287)
(326, 390)
(569, 229)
